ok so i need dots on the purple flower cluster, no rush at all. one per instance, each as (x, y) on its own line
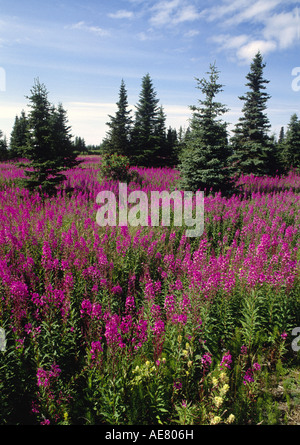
(249, 376)
(112, 332)
(56, 263)
(206, 361)
(93, 310)
(44, 377)
(96, 348)
(226, 361)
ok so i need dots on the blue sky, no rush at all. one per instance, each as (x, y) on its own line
(81, 50)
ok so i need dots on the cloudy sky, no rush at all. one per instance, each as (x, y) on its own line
(81, 50)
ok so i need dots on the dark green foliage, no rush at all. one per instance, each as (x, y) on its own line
(172, 147)
(49, 148)
(3, 148)
(291, 144)
(79, 145)
(19, 135)
(281, 136)
(254, 150)
(118, 136)
(148, 125)
(144, 139)
(204, 159)
(114, 166)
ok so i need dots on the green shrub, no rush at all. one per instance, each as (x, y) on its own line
(114, 166)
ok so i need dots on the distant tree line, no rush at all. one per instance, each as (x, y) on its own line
(208, 158)
(19, 139)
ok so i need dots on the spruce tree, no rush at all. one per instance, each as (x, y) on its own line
(204, 159)
(144, 134)
(281, 136)
(49, 148)
(172, 147)
(254, 150)
(291, 144)
(280, 146)
(80, 145)
(64, 156)
(3, 147)
(19, 134)
(118, 136)
(160, 155)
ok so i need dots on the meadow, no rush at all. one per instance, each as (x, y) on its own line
(142, 325)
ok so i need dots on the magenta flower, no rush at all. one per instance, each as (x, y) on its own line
(256, 367)
(284, 335)
(155, 311)
(159, 328)
(19, 290)
(226, 360)
(177, 386)
(117, 289)
(248, 377)
(44, 377)
(140, 333)
(206, 361)
(86, 308)
(244, 350)
(129, 304)
(96, 348)
(112, 334)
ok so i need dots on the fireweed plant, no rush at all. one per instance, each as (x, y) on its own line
(142, 325)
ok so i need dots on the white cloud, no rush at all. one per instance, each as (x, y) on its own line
(248, 51)
(142, 36)
(244, 46)
(149, 35)
(192, 33)
(228, 7)
(82, 26)
(276, 26)
(173, 12)
(226, 41)
(163, 11)
(257, 11)
(186, 14)
(121, 14)
(238, 11)
(284, 27)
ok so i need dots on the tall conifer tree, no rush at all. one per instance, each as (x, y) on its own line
(291, 144)
(204, 159)
(254, 150)
(118, 136)
(49, 148)
(3, 147)
(19, 134)
(144, 134)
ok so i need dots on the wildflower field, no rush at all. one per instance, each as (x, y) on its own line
(142, 325)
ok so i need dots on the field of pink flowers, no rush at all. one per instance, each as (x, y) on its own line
(120, 326)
